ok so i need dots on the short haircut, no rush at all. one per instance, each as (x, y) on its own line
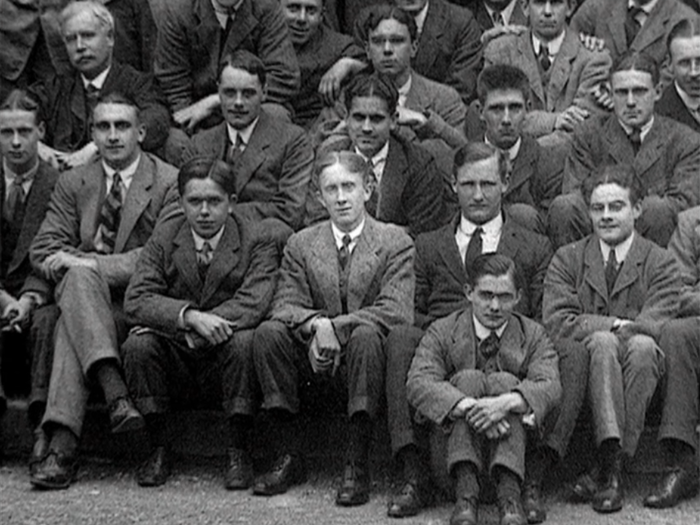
(246, 61)
(686, 28)
(379, 13)
(350, 160)
(473, 152)
(372, 85)
(621, 174)
(18, 99)
(97, 9)
(116, 97)
(495, 264)
(502, 76)
(207, 168)
(636, 61)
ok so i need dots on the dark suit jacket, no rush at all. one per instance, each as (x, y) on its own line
(450, 345)
(518, 17)
(72, 218)
(667, 163)
(273, 173)
(135, 33)
(576, 300)
(441, 276)
(670, 105)
(239, 284)
(380, 283)
(35, 210)
(65, 109)
(190, 44)
(685, 247)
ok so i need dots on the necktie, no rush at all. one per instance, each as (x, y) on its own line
(92, 93)
(543, 57)
(497, 18)
(15, 199)
(229, 23)
(611, 270)
(636, 139)
(204, 257)
(344, 251)
(473, 248)
(489, 347)
(372, 205)
(111, 215)
(235, 151)
(632, 25)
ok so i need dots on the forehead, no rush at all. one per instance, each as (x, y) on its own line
(553, 3)
(631, 78)
(610, 192)
(112, 112)
(17, 118)
(338, 174)
(83, 21)
(485, 170)
(499, 97)
(682, 47)
(495, 284)
(372, 105)
(203, 188)
(303, 3)
(233, 77)
(411, 3)
(390, 26)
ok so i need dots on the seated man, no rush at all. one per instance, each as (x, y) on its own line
(271, 157)
(99, 218)
(410, 191)
(665, 156)
(562, 72)
(202, 284)
(195, 34)
(68, 100)
(344, 284)
(608, 294)
(443, 261)
(478, 373)
(25, 188)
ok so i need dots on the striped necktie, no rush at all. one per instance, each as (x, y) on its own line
(14, 201)
(110, 216)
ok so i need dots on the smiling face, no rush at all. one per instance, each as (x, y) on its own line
(390, 50)
(89, 44)
(117, 133)
(612, 213)
(480, 190)
(685, 64)
(303, 18)
(19, 139)
(241, 95)
(343, 194)
(634, 97)
(411, 6)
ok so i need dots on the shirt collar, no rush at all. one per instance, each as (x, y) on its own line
(245, 133)
(512, 151)
(26, 177)
(491, 228)
(421, 16)
(213, 241)
(354, 234)
(404, 89)
(506, 13)
(553, 46)
(621, 250)
(98, 81)
(642, 132)
(379, 157)
(647, 8)
(482, 332)
(222, 14)
(691, 103)
(125, 175)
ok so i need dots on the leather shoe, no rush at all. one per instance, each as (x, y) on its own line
(533, 504)
(123, 416)
(610, 496)
(286, 471)
(511, 512)
(676, 485)
(585, 486)
(155, 471)
(239, 474)
(39, 450)
(408, 502)
(354, 489)
(55, 471)
(466, 512)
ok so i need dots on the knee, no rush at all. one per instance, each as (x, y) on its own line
(80, 276)
(268, 338)
(642, 352)
(527, 216)
(680, 333)
(401, 344)
(139, 349)
(563, 206)
(240, 346)
(470, 382)
(44, 321)
(602, 346)
(365, 340)
(500, 382)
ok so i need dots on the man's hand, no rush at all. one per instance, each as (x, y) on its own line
(216, 330)
(16, 313)
(570, 117)
(192, 115)
(79, 158)
(497, 431)
(601, 95)
(592, 43)
(324, 350)
(332, 80)
(51, 156)
(496, 31)
(489, 411)
(57, 264)
(461, 408)
(411, 118)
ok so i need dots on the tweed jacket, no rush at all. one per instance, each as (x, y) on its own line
(685, 247)
(441, 276)
(576, 300)
(272, 174)
(190, 45)
(450, 346)
(671, 105)
(380, 282)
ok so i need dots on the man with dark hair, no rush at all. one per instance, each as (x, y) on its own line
(496, 13)
(202, 284)
(272, 158)
(609, 294)
(99, 218)
(477, 373)
(664, 154)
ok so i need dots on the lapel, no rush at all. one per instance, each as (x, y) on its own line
(511, 352)
(137, 198)
(462, 351)
(561, 68)
(226, 258)
(618, 145)
(428, 46)
(631, 267)
(672, 106)
(255, 152)
(78, 104)
(418, 97)
(652, 147)
(509, 243)
(363, 266)
(90, 197)
(449, 253)
(523, 165)
(185, 260)
(207, 31)
(242, 25)
(594, 269)
(616, 27)
(655, 26)
(326, 267)
(393, 181)
(528, 62)
(482, 15)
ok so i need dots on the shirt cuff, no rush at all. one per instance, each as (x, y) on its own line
(38, 299)
(181, 318)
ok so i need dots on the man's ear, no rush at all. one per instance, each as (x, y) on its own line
(41, 130)
(468, 291)
(658, 92)
(232, 200)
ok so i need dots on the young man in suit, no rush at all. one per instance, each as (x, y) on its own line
(443, 262)
(479, 373)
(609, 293)
(202, 284)
(99, 218)
(665, 156)
(562, 72)
(25, 189)
(272, 158)
(344, 284)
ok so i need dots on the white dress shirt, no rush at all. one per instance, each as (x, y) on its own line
(490, 236)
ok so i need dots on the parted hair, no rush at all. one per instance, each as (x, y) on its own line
(350, 160)
(207, 168)
(372, 85)
(97, 9)
(117, 97)
(18, 99)
(621, 174)
(632, 60)
(474, 152)
(379, 13)
(495, 264)
(501, 76)
(686, 28)
(245, 60)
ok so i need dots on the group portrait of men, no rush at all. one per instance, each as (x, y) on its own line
(478, 219)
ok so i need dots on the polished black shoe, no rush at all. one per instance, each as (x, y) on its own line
(466, 512)
(354, 489)
(55, 471)
(239, 474)
(533, 504)
(676, 485)
(123, 416)
(287, 470)
(585, 487)
(407, 502)
(39, 450)
(155, 471)
(610, 496)
(511, 512)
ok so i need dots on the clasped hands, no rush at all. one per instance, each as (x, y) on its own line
(56, 264)
(486, 415)
(210, 329)
(324, 349)
(15, 314)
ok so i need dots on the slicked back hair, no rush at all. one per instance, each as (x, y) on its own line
(350, 160)
(474, 152)
(379, 13)
(207, 168)
(18, 99)
(502, 76)
(116, 97)
(246, 61)
(686, 28)
(495, 264)
(636, 61)
(372, 85)
(621, 174)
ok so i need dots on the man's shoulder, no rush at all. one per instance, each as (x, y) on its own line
(267, 230)
(427, 242)
(506, 42)
(163, 172)
(265, 7)
(387, 235)
(689, 219)
(454, 15)
(278, 130)
(531, 241)
(672, 131)
(442, 93)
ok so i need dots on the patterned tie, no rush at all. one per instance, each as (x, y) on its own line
(372, 205)
(92, 93)
(489, 347)
(636, 140)
(344, 251)
(473, 248)
(204, 257)
(632, 25)
(235, 151)
(611, 271)
(543, 57)
(14, 201)
(110, 216)
(497, 18)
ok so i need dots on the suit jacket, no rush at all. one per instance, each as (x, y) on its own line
(272, 173)
(380, 282)
(73, 216)
(449, 47)
(450, 346)
(685, 247)
(670, 105)
(190, 45)
(239, 283)
(667, 163)
(576, 300)
(606, 19)
(35, 209)
(135, 33)
(68, 122)
(441, 276)
(574, 73)
(517, 18)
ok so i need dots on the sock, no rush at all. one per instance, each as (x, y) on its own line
(239, 431)
(538, 463)
(111, 381)
(360, 437)
(508, 484)
(466, 480)
(680, 454)
(63, 440)
(609, 449)
(411, 464)
(157, 425)
(285, 432)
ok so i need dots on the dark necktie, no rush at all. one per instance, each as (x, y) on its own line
(632, 25)
(92, 93)
(473, 248)
(235, 151)
(543, 57)
(111, 215)
(344, 251)
(372, 205)
(489, 347)
(497, 18)
(14, 202)
(636, 140)
(611, 270)
(204, 257)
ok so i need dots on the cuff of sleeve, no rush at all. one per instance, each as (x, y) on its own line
(37, 299)
(181, 318)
